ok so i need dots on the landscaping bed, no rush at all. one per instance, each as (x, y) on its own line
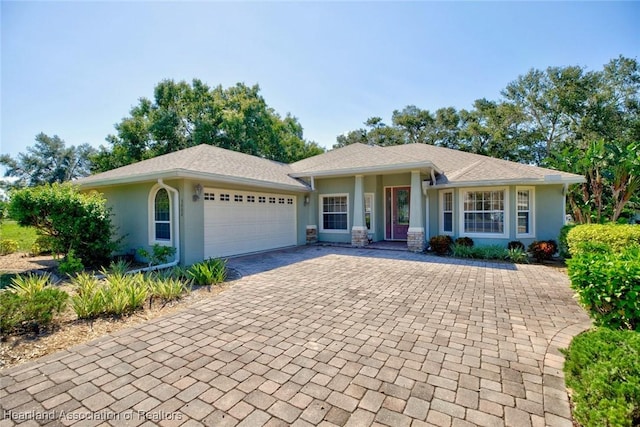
(66, 330)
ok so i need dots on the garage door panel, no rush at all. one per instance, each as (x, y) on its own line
(237, 222)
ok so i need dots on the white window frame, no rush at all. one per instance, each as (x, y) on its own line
(532, 210)
(152, 217)
(442, 212)
(506, 224)
(372, 222)
(321, 213)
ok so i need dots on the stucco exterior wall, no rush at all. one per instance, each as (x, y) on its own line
(548, 215)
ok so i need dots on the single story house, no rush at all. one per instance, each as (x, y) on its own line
(211, 202)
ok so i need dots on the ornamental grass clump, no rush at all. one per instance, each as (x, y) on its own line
(209, 272)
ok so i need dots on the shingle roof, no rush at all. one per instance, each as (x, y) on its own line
(456, 167)
(204, 160)
(453, 167)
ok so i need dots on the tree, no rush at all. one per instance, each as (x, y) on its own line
(49, 161)
(377, 134)
(74, 221)
(612, 172)
(182, 115)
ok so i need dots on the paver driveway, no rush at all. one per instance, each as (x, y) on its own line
(326, 336)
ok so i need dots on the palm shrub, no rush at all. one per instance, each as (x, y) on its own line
(208, 272)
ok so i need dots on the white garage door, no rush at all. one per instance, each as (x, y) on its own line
(238, 222)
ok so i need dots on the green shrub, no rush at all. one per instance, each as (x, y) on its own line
(159, 254)
(8, 246)
(38, 310)
(494, 252)
(27, 285)
(491, 252)
(543, 250)
(30, 308)
(515, 244)
(42, 245)
(88, 301)
(608, 286)
(464, 251)
(441, 245)
(70, 264)
(615, 236)
(464, 241)
(602, 369)
(208, 272)
(518, 255)
(75, 220)
(10, 304)
(563, 245)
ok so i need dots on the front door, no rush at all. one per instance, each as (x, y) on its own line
(397, 212)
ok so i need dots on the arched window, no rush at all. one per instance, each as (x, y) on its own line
(161, 216)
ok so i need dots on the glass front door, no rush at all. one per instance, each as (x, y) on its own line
(397, 212)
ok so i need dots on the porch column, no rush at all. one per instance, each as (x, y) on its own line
(359, 228)
(415, 235)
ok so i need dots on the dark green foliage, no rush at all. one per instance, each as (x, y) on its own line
(464, 241)
(70, 264)
(543, 250)
(441, 244)
(602, 369)
(183, 115)
(563, 245)
(515, 244)
(208, 272)
(73, 220)
(608, 286)
(491, 252)
(31, 311)
(10, 305)
(49, 161)
(615, 237)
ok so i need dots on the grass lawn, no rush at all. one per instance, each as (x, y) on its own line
(25, 236)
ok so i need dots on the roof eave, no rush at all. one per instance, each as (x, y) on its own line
(181, 173)
(400, 167)
(514, 181)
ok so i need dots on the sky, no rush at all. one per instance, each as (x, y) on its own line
(74, 69)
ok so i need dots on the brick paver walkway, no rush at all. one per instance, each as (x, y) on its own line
(326, 336)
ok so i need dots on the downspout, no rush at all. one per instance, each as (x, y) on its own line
(176, 215)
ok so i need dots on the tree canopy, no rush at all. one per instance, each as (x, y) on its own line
(567, 118)
(48, 161)
(182, 115)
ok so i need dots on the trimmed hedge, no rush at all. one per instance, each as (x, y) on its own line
(602, 369)
(616, 237)
(607, 284)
